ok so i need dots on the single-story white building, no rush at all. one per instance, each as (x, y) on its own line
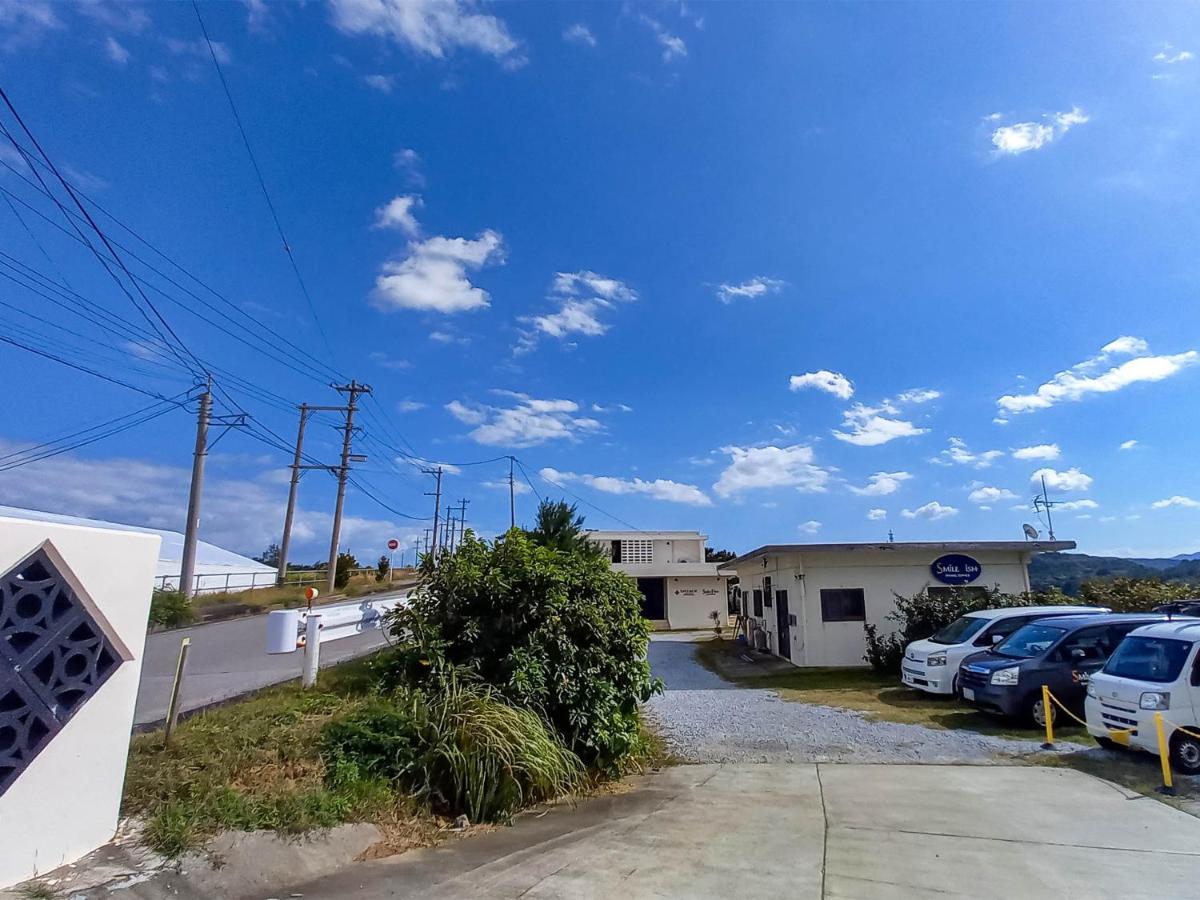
(679, 589)
(217, 569)
(812, 600)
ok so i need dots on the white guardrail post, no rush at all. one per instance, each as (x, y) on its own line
(289, 630)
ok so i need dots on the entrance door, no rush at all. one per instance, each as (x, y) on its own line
(654, 598)
(783, 624)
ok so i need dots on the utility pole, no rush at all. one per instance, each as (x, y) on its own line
(353, 389)
(512, 496)
(462, 518)
(448, 543)
(437, 502)
(286, 541)
(187, 571)
(427, 531)
(416, 552)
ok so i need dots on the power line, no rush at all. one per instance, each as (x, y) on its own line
(262, 182)
(602, 512)
(65, 362)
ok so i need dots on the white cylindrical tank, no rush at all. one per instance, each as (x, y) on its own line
(283, 630)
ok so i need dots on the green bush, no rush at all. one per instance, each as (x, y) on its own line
(554, 631)
(382, 568)
(346, 563)
(921, 615)
(1134, 594)
(171, 609)
(460, 747)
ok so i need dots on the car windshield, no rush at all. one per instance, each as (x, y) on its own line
(1148, 659)
(1029, 641)
(960, 630)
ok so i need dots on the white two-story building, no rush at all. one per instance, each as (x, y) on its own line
(679, 589)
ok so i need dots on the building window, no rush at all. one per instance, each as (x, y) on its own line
(843, 605)
(637, 552)
(616, 551)
(757, 602)
(767, 590)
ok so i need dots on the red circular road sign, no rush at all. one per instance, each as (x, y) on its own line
(393, 544)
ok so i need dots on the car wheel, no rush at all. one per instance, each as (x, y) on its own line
(1185, 754)
(1038, 715)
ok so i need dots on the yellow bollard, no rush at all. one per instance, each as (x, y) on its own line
(1048, 712)
(1164, 756)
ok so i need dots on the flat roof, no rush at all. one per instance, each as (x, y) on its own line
(606, 534)
(895, 546)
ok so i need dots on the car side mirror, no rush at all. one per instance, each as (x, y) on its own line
(1077, 653)
(996, 639)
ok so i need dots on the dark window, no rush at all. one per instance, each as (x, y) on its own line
(757, 602)
(843, 605)
(767, 591)
(1001, 629)
(616, 551)
(1087, 645)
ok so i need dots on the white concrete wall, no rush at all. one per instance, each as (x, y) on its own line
(65, 803)
(818, 643)
(691, 598)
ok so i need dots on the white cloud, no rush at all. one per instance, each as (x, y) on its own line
(408, 161)
(1177, 500)
(385, 84)
(199, 49)
(999, 420)
(751, 468)
(1070, 480)
(812, 526)
(990, 495)
(918, 395)
(1168, 56)
(579, 34)
(1022, 137)
(958, 454)
(26, 21)
(528, 423)
(241, 514)
(408, 406)
(433, 278)
(1038, 451)
(881, 484)
(868, 427)
(673, 46)
(1078, 504)
(429, 27)
(876, 515)
(659, 489)
(749, 289)
(931, 510)
(116, 52)
(823, 380)
(1128, 445)
(582, 297)
(1085, 378)
(398, 213)
(519, 487)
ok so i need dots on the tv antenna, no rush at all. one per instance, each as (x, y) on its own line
(1043, 501)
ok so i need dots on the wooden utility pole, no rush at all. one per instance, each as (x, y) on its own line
(448, 543)
(191, 532)
(462, 518)
(512, 496)
(353, 389)
(286, 541)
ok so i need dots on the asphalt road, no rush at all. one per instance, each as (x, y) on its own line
(227, 659)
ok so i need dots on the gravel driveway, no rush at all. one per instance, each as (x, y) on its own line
(707, 719)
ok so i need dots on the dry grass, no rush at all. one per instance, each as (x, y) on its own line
(863, 690)
(290, 596)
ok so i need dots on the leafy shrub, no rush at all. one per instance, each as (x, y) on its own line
(382, 568)
(921, 615)
(346, 563)
(461, 747)
(554, 631)
(171, 609)
(1134, 594)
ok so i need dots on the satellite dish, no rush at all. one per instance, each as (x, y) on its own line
(1031, 533)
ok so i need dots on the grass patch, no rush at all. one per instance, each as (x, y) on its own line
(875, 696)
(256, 765)
(291, 596)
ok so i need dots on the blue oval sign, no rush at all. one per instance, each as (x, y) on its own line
(955, 568)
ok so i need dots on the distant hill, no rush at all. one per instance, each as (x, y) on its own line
(1066, 571)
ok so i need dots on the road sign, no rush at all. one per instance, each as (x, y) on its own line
(393, 544)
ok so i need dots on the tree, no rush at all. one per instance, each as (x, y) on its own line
(382, 568)
(346, 563)
(718, 556)
(270, 556)
(559, 527)
(559, 633)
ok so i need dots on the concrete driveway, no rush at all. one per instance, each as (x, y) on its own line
(828, 830)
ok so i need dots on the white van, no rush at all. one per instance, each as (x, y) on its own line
(1155, 668)
(931, 665)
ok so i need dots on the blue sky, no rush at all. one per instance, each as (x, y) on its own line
(780, 272)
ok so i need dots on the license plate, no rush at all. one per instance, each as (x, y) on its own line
(968, 694)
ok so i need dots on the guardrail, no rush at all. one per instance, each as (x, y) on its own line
(222, 583)
(289, 630)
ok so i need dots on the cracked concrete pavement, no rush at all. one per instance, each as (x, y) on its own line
(825, 830)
